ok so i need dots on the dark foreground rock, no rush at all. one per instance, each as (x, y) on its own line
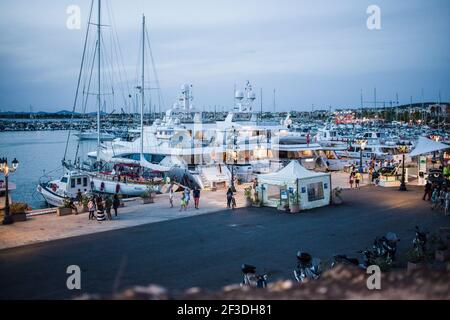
(342, 282)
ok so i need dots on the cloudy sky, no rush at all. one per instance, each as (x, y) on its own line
(313, 52)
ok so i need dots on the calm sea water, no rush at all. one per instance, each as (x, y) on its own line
(39, 153)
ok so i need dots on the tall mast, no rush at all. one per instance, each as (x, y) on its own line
(142, 89)
(99, 80)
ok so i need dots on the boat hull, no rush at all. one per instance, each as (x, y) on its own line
(111, 187)
(50, 197)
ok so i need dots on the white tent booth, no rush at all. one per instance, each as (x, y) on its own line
(423, 147)
(295, 186)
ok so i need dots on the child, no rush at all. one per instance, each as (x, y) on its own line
(171, 196)
(435, 199)
(447, 204)
(183, 202)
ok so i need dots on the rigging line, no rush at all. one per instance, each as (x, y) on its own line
(107, 73)
(119, 57)
(160, 97)
(78, 82)
(90, 78)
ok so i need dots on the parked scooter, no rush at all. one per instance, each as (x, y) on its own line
(251, 279)
(307, 267)
(386, 246)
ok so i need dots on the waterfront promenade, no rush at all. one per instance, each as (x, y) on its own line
(51, 227)
(207, 250)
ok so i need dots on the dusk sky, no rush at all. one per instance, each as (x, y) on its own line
(312, 52)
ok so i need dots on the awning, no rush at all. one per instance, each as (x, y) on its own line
(425, 145)
(289, 174)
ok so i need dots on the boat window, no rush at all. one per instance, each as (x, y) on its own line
(78, 181)
(85, 182)
(72, 183)
(64, 179)
(315, 191)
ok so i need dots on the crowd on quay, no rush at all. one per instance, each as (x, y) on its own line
(438, 195)
(100, 207)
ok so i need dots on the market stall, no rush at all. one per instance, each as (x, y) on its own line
(294, 188)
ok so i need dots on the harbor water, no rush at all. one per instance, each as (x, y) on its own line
(39, 154)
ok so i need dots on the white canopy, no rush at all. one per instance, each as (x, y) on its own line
(289, 174)
(425, 145)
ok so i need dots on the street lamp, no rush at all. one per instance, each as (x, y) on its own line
(403, 150)
(362, 146)
(5, 169)
(234, 156)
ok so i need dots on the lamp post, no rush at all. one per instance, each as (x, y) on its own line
(362, 146)
(5, 169)
(234, 156)
(403, 150)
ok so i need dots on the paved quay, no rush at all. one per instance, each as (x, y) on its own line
(207, 250)
(51, 227)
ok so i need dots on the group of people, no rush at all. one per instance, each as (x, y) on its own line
(97, 207)
(355, 178)
(439, 197)
(185, 197)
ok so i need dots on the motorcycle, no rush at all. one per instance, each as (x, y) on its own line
(386, 246)
(251, 279)
(307, 267)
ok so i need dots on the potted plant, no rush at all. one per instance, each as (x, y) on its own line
(257, 203)
(294, 206)
(147, 197)
(416, 260)
(84, 205)
(442, 252)
(248, 196)
(18, 211)
(66, 209)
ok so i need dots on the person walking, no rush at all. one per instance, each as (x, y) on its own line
(427, 192)
(358, 179)
(229, 197)
(171, 193)
(183, 202)
(187, 196)
(79, 197)
(116, 203)
(108, 205)
(447, 204)
(91, 208)
(100, 209)
(435, 199)
(351, 179)
(442, 196)
(370, 175)
(196, 194)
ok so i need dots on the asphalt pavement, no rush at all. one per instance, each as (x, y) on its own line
(207, 250)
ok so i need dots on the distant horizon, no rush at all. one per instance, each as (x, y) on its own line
(317, 108)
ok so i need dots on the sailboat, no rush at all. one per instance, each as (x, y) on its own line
(131, 178)
(56, 192)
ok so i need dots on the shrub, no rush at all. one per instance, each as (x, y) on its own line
(414, 256)
(19, 207)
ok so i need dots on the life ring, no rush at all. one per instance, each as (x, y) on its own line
(117, 188)
(102, 186)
